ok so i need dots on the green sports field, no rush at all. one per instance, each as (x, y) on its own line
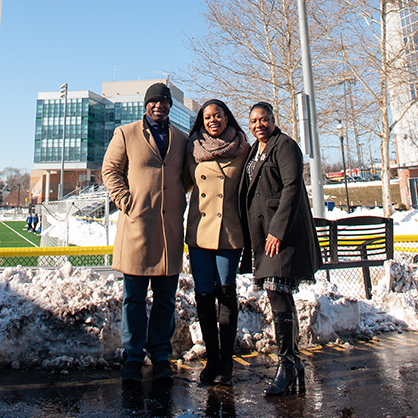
(13, 234)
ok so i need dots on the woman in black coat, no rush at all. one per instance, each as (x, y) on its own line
(282, 233)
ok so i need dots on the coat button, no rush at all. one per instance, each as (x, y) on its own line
(260, 216)
(164, 187)
(219, 215)
(203, 195)
(163, 212)
(257, 193)
(202, 214)
(222, 177)
(203, 177)
(220, 195)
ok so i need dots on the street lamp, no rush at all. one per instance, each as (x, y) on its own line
(340, 131)
(63, 95)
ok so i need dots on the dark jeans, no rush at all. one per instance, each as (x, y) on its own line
(140, 333)
(210, 267)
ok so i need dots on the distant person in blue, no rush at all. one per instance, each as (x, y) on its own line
(29, 222)
(39, 230)
(35, 221)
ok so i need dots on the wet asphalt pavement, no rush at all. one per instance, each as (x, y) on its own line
(372, 379)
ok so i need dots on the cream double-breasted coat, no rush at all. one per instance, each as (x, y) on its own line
(213, 219)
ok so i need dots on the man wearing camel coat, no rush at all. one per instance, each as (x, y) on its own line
(142, 170)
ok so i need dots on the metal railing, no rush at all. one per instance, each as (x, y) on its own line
(350, 281)
(56, 256)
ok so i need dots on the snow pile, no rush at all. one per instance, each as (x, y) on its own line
(71, 317)
(396, 297)
(49, 313)
(325, 314)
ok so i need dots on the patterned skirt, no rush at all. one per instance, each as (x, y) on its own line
(280, 284)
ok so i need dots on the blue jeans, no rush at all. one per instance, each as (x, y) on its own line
(211, 267)
(140, 333)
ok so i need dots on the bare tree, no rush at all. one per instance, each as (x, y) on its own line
(15, 178)
(361, 44)
(250, 52)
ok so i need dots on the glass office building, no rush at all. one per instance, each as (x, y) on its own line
(84, 130)
(89, 125)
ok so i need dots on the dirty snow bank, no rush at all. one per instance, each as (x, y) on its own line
(394, 298)
(49, 313)
(71, 317)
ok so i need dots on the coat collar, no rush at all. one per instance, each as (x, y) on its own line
(149, 139)
(271, 143)
(218, 165)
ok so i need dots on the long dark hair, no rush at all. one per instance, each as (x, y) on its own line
(199, 119)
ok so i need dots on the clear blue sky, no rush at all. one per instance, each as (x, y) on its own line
(46, 43)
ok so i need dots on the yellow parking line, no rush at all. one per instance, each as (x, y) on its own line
(316, 348)
(274, 357)
(384, 344)
(241, 361)
(337, 348)
(183, 366)
(253, 354)
(307, 353)
(368, 344)
(396, 340)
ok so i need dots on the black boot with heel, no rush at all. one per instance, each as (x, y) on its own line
(284, 381)
(206, 310)
(228, 317)
(298, 361)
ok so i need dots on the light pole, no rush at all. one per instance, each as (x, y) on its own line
(340, 131)
(63, 95)
(361, 160)
(317, 181)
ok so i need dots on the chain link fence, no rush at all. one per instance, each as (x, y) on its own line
(406, 248)
(56, 257)
(350, 282)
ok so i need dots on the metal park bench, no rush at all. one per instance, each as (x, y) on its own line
(356, 242)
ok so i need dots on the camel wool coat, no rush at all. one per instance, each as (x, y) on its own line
(213, 221)
(150, 195)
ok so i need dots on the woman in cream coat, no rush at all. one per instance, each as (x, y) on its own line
(217, 153)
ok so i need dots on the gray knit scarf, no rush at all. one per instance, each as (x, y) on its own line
(206, 148)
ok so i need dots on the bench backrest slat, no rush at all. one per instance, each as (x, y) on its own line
(362, 240)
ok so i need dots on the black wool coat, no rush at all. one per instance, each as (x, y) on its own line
(276, 202)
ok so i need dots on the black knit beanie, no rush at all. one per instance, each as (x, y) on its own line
(157, 92)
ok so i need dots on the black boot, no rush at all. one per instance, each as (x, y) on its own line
(228, 317)
(298, 361)
(285, 379)
(206, 310)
